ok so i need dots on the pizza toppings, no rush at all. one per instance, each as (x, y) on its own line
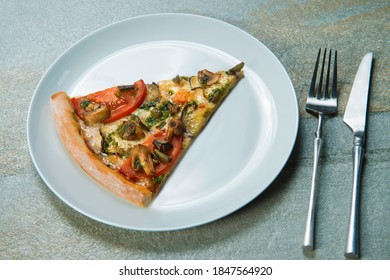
(203, 79)
(139, 131)
(194, 83)
(100, 114)
(151, 138)
(163, 146)
(121, 101)
(131, 131)
(153, 93)
(188, 109)
(208, 78)
(175, 127)
(163, 155)
(236, 70)
(142, 158)
(164, 167)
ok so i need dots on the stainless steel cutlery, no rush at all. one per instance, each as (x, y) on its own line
(322, 100)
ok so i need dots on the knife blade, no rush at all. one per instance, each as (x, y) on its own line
(355, 112)
(355, 117)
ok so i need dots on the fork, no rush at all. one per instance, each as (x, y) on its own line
(320, 101)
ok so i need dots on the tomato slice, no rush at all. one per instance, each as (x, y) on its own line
(161, 168)
(121, 102)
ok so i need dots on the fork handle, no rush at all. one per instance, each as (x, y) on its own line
(352, 244)
(308, 240)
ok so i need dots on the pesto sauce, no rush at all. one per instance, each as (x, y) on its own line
(158, 119)
(108, 142)
(150, 121)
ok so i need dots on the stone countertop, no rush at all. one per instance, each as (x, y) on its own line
(36, 224)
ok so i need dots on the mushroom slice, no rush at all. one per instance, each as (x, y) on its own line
(141, 157)
(162, 146)
(194, 82)
(188, 109)
(132, 131)
(208, 78)
(195, 119)
(98, 115)
(175, 127)
(176, 79)
(162, 157)
(153, 93)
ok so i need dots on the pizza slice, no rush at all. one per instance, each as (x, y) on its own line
(129, 138)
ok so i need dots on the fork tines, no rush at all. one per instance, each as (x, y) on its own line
(322, 90)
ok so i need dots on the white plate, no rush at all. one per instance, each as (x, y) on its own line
(237, 156)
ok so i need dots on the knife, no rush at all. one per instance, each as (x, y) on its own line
(355, 118)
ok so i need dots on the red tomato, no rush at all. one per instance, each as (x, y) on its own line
(160, 168)
(121, 103)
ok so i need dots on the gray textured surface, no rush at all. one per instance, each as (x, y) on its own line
(35, 224)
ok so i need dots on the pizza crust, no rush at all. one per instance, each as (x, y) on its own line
(69, 131)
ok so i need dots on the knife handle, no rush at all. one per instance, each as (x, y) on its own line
(352, 245)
